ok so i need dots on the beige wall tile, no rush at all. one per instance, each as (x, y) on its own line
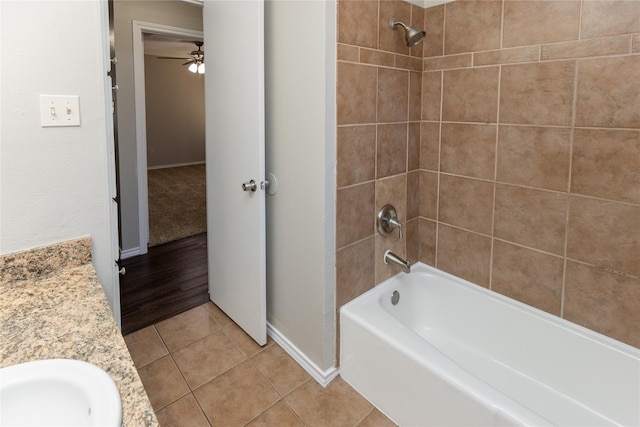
(415, 96)
(429, 146)
(535, 22)
(606, 163)
(636, 43)
(427, 250)
(530, 217)
(507, 56)
(466, 202)
(608, 17)
(383, 244)
(355, 271)
(605, 234)
(434, 25)
(348, 53)
(413, 240)
(358, 22)
(464, 254)
(608, 92)
(356, 93)
(417, 21)
(408, 62)
(413, 148)
(393, 40)
(528, 276)
(468, 149)
(428, 198)
(471, 26)
(534, 156)
(393, 95)
(355, 213)
(603, 301)
(393, 191)
(540, 94)
(470, 95)
(431, 95)
(585, 48)
(356, 154)
(413, 195)
(377, 57)
(391, 151)
(464, 60)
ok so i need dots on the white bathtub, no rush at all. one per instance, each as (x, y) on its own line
(453, 353)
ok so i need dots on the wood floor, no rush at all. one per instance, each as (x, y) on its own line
(168, 280)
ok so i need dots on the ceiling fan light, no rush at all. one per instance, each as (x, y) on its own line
(201, 68)
(193, 67)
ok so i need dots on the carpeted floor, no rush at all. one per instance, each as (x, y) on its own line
(177, 203)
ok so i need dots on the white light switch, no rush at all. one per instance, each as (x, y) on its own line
(59, 110)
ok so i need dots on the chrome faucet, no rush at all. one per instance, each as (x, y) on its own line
(388, 220)
(391, 258)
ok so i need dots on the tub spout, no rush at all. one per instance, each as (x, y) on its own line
(391, 258)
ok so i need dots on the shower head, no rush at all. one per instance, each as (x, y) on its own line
(413, 35)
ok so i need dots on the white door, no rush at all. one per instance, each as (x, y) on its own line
(234, 99)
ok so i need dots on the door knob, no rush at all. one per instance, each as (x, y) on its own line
(249, 186)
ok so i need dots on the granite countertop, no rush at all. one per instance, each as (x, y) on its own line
(52, 306)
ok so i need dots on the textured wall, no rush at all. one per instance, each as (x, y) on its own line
(528, 165)
(175, 112)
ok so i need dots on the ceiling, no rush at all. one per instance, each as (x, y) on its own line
(158, 45)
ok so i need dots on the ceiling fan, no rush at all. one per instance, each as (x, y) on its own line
(195, 61)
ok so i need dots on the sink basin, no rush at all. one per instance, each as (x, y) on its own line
(58, 392)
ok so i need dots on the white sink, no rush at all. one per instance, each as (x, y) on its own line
(58, 392)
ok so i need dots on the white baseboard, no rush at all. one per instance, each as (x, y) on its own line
(322, 377)
(175, 165)
(129, 253)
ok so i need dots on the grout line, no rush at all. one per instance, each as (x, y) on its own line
(495, 173)
(568, 210)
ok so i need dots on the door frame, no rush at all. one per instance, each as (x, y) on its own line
(139, 28)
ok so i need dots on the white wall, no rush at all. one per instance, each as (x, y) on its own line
(300, 144)
(54, 182)
(172, 13)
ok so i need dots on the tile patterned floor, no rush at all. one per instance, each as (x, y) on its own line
(200, 369)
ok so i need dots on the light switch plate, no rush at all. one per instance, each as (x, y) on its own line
(59, 110)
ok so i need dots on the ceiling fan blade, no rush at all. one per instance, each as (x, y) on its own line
(189, 62)
(171, 57)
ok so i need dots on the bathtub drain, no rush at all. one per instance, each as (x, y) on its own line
(395, 297)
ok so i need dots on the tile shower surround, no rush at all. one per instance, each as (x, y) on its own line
(509, 142)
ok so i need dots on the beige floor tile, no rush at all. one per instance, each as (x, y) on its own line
(185, 328)
(217, 314)
(145, 346)
(244, 342)
(163, 382)
(279, 414)
(182, 413)
(236, 397)
(376, 419)
(337, 405)
(280, 369)
(207, 358)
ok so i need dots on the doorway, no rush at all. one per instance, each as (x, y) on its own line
(142, 30)
(168, 274)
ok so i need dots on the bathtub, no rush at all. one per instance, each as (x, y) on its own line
(453, 353)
